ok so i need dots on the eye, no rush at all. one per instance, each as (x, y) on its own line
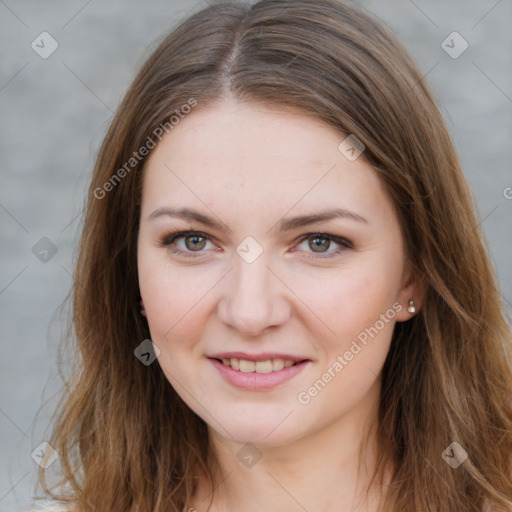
(190, 244)
(186, 243)
(320, 243)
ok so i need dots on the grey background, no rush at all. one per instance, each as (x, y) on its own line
(55, 111)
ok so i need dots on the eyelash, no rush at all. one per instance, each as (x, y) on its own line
(169, 239)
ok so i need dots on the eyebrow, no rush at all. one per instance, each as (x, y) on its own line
(282, 225)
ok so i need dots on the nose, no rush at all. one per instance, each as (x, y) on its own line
(253, 299)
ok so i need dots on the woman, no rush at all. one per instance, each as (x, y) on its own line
(282, 297)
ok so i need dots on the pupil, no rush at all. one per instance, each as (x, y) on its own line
(324, 243)
(195, 241)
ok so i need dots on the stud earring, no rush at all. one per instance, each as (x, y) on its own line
(411, 307)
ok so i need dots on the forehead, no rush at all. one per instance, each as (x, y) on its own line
(254, 156)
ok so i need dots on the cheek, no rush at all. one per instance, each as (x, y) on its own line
(352, 298)
(357, 306)
(158, 288)
(174, 299)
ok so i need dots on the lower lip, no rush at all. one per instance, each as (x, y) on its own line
(257, 381)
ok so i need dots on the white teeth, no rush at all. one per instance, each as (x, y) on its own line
(268, 366)
(263, 366)
(277, 364)
(247, 366)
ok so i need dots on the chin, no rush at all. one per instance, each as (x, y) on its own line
(269, 431)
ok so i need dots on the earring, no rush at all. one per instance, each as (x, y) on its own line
(411, 307)
(142, 310)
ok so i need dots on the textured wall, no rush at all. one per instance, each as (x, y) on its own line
(55, 110)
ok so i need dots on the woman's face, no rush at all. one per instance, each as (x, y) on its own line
(270, 275)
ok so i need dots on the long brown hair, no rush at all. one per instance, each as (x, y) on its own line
(125, 438)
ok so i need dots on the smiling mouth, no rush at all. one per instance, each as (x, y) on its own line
(267, 366)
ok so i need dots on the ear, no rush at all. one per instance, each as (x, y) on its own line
(412, 287)
(142, 310)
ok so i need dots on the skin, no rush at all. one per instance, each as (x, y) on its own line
(249, 166)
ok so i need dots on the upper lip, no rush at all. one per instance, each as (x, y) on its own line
(265, 356)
